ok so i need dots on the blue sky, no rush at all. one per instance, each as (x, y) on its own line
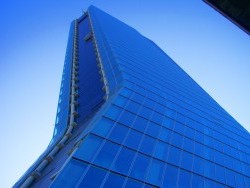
(33, 38)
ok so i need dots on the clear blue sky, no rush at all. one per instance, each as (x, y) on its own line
(33, 38)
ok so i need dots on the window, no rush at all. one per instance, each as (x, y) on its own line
(197, 181)
(133, 184)
(209, 169)
(187, 161)
(113, 112)
(114, 181)
(127, 118)
(157, 118)
(118, 133)
(218, 157)
(208, 153)
(145, 112)
(138, 98)
(239, 180)
(140, 124)
(155, 172)
(140, 167)
(188, 144)
(123, 161)
(198, 166)
(168, 123)
(121, 101)
(149, 103)
(230, 178)
(126, 92)
(189, 132)
(170, 113)
(153, 129)
(161, 150)
(181, 118)
(88, 148)
(107, 154)
(174, 155)
(103, 127)
(176, 140)
(164, 134)
(93, 178)
(179, 128)
(184, 178)
(74, 169)
(170, 176)
(133, 139)
(133, 107)
(198, 148)
(147, 145)
(219, 173)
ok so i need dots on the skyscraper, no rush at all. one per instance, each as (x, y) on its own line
(129, 116)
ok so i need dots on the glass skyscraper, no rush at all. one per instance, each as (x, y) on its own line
(129, 116)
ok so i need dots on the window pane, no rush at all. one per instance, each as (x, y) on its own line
(133, 184)
(140, 167)
(184, 179)
(114, 181)
(209, 169)
(103, 127)
(155, 172)
(187, 161)
(197, 181)
(174, 155)
(230, 178)
(120, 101)
(127, 118)
(170, 177)
(107, 154)
(140, 124)
(161, 150)
(74, 169)
(118, 133)
(124, 160)
(133, 139)
(219, 174)
(147, 145)
(88, 148)
(153, 129)
(113, 112)
(176, 140)
(164, 134)
(198, 166)
(93, 178)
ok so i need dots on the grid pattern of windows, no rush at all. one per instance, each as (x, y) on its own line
(158, 128)
(172, 133)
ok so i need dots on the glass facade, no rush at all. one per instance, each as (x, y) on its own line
(141, 120)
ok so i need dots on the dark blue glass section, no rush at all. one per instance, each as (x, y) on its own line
(114, 181)
(90, 84)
